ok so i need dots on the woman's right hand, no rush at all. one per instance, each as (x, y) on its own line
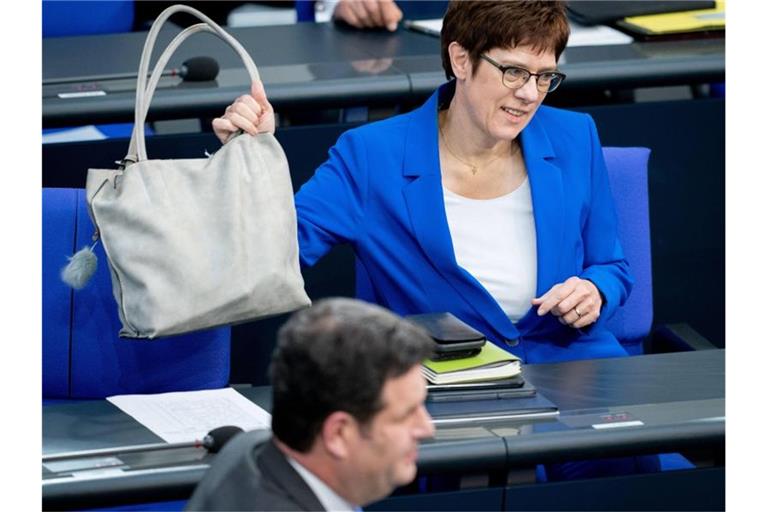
(251, 113)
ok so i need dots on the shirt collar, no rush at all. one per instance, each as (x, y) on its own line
(330, 500)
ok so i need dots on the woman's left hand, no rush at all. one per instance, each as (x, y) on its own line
(576, 302)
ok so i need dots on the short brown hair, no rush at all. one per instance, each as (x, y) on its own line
(479, 26)
(337, 356)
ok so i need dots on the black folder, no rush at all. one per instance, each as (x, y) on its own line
(590, 12)
(534, 406)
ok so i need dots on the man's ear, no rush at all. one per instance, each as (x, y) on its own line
(337, 434)
(460, 62)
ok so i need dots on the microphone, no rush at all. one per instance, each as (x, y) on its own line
(195, 69)
(213, 442)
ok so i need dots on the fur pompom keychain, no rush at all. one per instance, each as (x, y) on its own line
(80, 268)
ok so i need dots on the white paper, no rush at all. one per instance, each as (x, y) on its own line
(618, 424)
(431, 27)
(252, 15)
(82, 133)
(581, 35)
(599, 35)
(189, 415)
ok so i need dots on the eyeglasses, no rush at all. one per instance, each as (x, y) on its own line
(515, 77)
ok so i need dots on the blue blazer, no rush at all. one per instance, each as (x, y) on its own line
(380, 191)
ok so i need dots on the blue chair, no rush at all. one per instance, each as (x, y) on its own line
(633, 323)
(71, 18)
(83, 357)
(305, 11)
(59, 207)
(628, 177)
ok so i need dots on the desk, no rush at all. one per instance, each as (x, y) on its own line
(320, 66)
(679, 398)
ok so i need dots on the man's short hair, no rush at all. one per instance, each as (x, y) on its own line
(479, 26)
(337, 356)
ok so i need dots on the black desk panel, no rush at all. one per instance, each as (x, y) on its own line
(268, 46)
(318, 65)
(676, 377)
(678, 398)
(701, 489)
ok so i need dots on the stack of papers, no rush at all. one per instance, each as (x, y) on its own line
(491, 363)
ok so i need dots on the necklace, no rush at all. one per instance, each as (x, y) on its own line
(472, 167)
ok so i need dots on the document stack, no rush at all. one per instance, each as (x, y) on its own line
(492, 363)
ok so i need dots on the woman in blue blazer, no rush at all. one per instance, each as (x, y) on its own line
(388, 189)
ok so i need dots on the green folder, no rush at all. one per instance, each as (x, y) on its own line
(490, 355)
(492, 363)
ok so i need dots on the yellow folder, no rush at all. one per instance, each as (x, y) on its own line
(678, 22)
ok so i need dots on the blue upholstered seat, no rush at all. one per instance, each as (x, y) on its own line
(82, 355)
(59, 207)
(70, 18)
(628, 177)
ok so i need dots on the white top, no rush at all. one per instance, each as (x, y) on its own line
(495, 241)
(329, 499)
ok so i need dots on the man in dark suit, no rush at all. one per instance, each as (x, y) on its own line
(347, 416)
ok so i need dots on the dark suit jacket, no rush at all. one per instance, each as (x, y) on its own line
(251, 473)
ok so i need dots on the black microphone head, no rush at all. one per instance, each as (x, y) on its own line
(218, 437)
(199, 69)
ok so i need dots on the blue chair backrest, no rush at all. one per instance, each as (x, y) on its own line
(59, 207)
(79, 18)
(83, 357)
(628, 177)
(305, 11)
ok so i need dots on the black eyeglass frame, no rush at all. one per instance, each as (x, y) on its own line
(504, 69)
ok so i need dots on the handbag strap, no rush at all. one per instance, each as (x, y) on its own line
(145, 90)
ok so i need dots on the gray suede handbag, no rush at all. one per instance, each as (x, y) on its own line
(197, 243)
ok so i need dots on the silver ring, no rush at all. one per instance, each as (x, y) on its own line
(576, 310)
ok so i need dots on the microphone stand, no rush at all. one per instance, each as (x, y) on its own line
(212, 442)
(103, 78)
(120, 449)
